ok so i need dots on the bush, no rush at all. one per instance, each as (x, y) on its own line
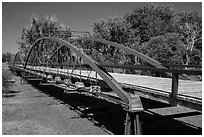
(6, 76)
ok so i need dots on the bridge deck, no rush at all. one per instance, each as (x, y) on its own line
(158, 89)
(186, 87)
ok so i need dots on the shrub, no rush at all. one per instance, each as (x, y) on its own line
(6, 76)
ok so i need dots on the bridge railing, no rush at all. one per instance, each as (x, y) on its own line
(175, 75)
(194, 67)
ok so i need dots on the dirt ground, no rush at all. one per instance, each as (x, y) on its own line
(26, 111)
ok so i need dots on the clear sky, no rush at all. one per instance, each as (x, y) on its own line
(79, 16)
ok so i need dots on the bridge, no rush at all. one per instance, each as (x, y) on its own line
(67, 65)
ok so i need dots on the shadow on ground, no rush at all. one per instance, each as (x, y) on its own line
(11, 93)
(152, 124)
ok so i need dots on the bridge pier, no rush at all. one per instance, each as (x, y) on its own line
(132, 121)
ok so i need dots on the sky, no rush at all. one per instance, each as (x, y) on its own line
(78, 16)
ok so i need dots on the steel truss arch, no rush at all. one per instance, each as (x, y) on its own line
(127, 100)
(32, 47)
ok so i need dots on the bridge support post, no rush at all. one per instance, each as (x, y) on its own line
(132, 124)
(132, 121)
(174, 89)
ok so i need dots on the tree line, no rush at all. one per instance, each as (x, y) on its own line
(155, 30)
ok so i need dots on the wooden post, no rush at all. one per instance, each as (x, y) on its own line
(174, 89)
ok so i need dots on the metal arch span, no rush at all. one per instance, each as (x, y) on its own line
(109, 80)
(126, 49)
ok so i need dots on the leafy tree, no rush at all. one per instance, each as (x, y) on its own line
(150, 21)
(146, 23)
(165, 48)
(113, 29)
(189, 26)
(196, 57)
(6, 57)
(47, 26)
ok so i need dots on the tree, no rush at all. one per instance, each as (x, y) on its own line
(47, 26)
(150, 21)
(196, 57)
(146, 23)
(6, 57)
(113, 29)
(42, 27)
(165, 48)
(189, 25)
